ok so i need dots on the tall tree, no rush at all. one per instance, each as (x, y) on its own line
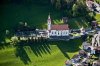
(74, 10)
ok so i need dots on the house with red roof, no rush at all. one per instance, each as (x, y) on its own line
(57, 30)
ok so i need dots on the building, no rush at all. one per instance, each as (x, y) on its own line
(96, 40)
(25, 32)
(89, 4)
(93, 6)
(94, 24)
(57, 30)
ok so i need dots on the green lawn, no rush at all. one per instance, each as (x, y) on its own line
(97, 17)
(98, 1)
(44, 54)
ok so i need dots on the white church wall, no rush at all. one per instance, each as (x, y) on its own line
(65, 32)
(59, 33)
(53, 33)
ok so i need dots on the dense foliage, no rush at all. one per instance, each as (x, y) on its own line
(69, 8)
(73, 8)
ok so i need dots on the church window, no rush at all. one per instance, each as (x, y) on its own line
(58, 33)
(52, 32)
(65, 32)
(55, 32)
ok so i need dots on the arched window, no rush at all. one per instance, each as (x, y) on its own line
(55, 32)
(52, 32)
(66, 32)
(58, 32)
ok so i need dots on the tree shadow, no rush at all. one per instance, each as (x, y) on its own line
(21, 53)
(40, 47)
(4, 45)
(68, 46)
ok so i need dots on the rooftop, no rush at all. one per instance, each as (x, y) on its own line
(59, 27)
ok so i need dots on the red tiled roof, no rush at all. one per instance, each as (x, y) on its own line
(59, 27)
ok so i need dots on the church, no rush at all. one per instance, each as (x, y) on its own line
(57, 30)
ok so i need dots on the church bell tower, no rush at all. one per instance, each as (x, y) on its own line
(49, 22)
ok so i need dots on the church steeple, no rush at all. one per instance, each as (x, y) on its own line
(49, 22)
(49, 16)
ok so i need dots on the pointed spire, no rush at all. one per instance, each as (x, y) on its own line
(49, 22)
(49, 16)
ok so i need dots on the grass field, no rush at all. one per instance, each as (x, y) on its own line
(42, 53)
(36, 54)
(97, 17)
(98, 1)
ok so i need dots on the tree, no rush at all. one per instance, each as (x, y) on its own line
(63, 4)
(58, 4)
(74, 9)
(82, 8)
